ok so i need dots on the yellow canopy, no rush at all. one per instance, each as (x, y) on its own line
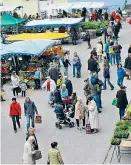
(39, 36)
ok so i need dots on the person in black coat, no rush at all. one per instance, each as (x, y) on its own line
(32, 133)
(127, 65)
(106, 75)
(129, 50)
(122, 101)
(69, 86)
(66, 64)
(92, 64)
(88, 39)
(57, 95)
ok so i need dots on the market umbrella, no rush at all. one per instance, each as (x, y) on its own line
(28, 47)
(8, 20)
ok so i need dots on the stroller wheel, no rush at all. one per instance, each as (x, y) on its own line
(60, 127)
(71, 124)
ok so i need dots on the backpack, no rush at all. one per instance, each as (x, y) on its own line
(48, 85)
(93, 80)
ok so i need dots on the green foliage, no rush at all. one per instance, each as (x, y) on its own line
(122, 127)
(115, 141)
(121, 134)
(122, 122)
(94, 25)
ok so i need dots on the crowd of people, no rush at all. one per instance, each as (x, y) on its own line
(62, 94)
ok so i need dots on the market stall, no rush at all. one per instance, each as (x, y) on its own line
(10, 23)
(26, 57)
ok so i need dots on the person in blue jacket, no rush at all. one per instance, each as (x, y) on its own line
(78, 67)
(107, 46)
(120, 75)
(64, 91)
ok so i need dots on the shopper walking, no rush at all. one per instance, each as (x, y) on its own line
(120, 75)
(53, 73)
(29, 151)
(92, 64)
(30, 110)
(106, 75)
(117, 48)
(15, 83)
(122, 101)
(75, 60)
(87, 88)
(66, 64)
(23, 87)
(79, 113)
(93, 114)
(112, 54)
(32, 133)
(107, 46)
(69, 86)
(15, 113)
(99, 51)
(78, 68)
(127, 65)
(54, 155)
(37, 78)
(88, 39)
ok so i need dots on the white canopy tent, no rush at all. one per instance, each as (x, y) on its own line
(9, 8)
(76, 5)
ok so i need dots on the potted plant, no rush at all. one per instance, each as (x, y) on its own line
(115, 141)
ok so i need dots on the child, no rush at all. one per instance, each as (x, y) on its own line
(78, 67)
(23, 87)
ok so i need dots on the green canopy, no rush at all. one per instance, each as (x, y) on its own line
(8, 20)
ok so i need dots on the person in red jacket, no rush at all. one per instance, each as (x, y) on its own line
(15, 113)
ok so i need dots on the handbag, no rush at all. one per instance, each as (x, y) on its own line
(88, 129)
(38, 119)
(37, 155)
(114, 102)
(66, 100)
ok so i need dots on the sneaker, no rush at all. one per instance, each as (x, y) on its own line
(112, 88)
(78, 128)
(3, 100)
(15, 131)
(83, 127)
(99, 111)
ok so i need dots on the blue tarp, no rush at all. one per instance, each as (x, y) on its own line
(27, 47)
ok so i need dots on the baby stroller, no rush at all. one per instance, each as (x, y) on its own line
(62, 117)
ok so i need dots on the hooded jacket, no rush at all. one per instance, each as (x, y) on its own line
(30, 108)
(120, 73)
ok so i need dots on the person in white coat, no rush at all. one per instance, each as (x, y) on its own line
(99, 51)
(93, 114)
(49, 85)
(15, 83)
(29, 151)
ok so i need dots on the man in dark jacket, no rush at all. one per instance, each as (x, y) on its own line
(57, 95)
(92, 64)
(117, 49)
(122, 101)
(53, 73)
(127, 65)
(88, 39)
(116, 30)
(106, 75)
(30, 110)
(68, 85)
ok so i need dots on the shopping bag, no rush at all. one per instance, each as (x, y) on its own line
(38, 119)
(88, 129)
(37, 155)
(114, 102)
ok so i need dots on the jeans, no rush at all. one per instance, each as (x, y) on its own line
(121, 112)
(112, 59)
(66, 71)
(120, 81)
(109, 83)
(97, 100)
(28, 118)
(15, 119)
(107, 55)
(79, 73)
(50, 96)
(100, 100)
(15, 90)
(118, 58)
(74, 70)
(89, 44)
(74, 40)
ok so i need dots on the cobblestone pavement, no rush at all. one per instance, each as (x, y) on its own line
(76, 147)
